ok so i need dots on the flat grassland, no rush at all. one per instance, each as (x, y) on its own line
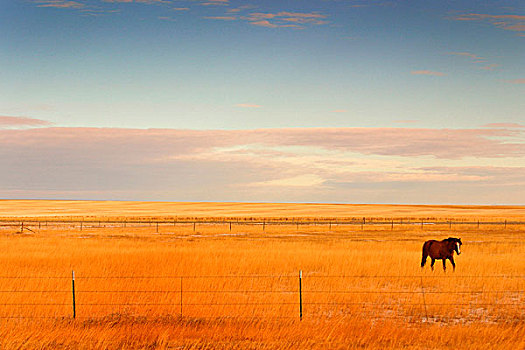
(212, 285)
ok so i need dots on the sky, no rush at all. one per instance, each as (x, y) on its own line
(336, 101)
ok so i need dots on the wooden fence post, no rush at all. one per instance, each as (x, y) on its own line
(73, 290)
(301, 295)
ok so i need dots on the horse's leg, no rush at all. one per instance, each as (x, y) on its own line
(424, 258)
(445, 264)
(453, 263)
(432, 263)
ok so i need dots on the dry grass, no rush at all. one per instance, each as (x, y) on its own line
(115, 209)
(365, 303)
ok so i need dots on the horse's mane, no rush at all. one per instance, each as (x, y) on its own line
(451, 239)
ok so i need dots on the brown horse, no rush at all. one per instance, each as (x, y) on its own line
(441, 250)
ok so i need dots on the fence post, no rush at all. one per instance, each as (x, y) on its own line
(193, 227)
(230, 226)
(73, 290)
(264, 225)
(301, 295)
(505, 223)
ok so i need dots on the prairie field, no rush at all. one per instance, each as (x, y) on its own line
(232, 281)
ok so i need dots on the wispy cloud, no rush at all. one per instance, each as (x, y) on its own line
(491, 66)
(302, 164)
(427, 72)
(241, 8)
(517, 81)
(222, 18)
(507, 22)
(167, 18)
(406, 121)
(248, 105)
(504, 125)
(216, 3)
(476, 60)
(468, 55)
(282, 19)
(63, 4)
(478, 16)
(405, 142)
(307, 180)
(8, 121)
(285, 19)
(149, 2)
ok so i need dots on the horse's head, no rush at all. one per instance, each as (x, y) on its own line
(456, 244)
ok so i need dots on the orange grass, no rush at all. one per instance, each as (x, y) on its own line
(361, 288)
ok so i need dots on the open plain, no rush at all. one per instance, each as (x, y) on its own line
(231, 278)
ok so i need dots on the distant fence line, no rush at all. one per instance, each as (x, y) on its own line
(297, 288)
(80, 224)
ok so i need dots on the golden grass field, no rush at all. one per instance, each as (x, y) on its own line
(362, 286)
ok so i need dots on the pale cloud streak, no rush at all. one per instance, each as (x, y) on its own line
(509, 22)
(476, 60)
(302, 164)
(285, 19)
(248, 105)
(62, 4)
(504, 125)
(427, 72)
(517, 81)
(9, 121)
(281, 19)
(468, 55)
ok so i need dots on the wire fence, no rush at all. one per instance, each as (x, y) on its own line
(155, 225)
(424, 298)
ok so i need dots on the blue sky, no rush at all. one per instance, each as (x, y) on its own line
(420, 67)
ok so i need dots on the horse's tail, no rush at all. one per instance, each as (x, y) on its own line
(425, 253)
